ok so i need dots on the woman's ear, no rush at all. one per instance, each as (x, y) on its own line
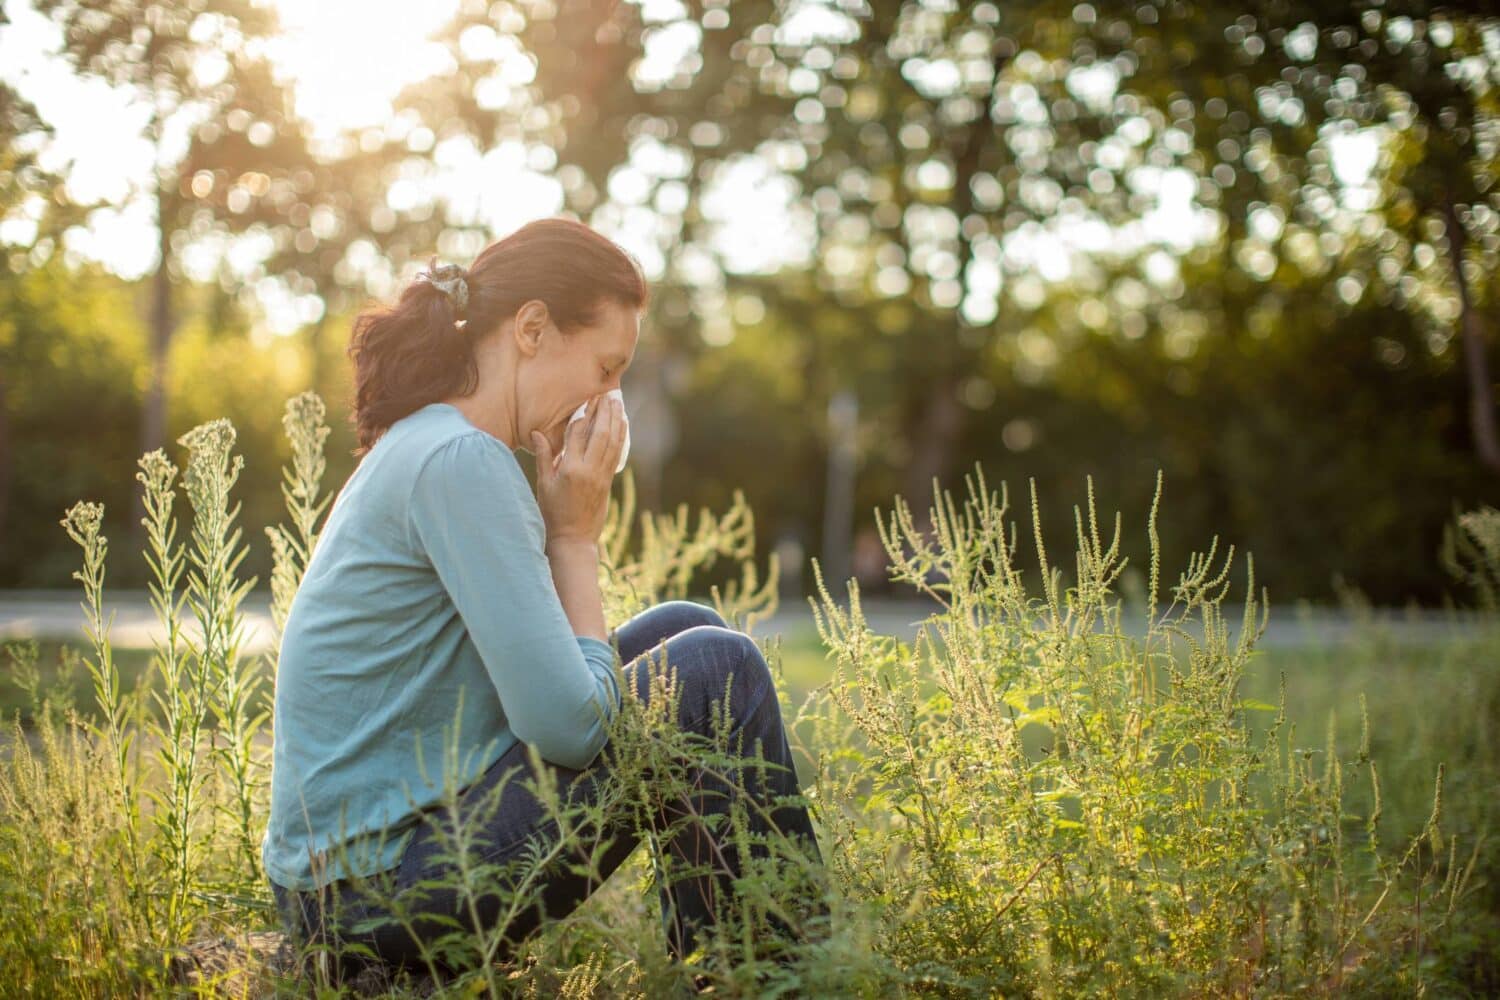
(532, 320)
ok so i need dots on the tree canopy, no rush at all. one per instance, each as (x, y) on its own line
(1250, 245)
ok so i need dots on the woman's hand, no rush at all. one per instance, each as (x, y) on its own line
(573, 488)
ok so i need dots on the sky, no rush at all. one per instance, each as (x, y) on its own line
(346, 60)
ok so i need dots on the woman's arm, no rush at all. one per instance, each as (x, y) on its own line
(471, 512)
(575, 573)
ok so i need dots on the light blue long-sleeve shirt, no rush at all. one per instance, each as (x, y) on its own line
(424, 640)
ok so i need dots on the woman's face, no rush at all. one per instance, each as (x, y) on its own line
(567, 370)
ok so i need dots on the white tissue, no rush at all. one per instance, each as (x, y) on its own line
(582, 412)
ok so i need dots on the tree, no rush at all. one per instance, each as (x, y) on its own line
(941, 136)
(1294, 77)
(21, 181)
(226, 148)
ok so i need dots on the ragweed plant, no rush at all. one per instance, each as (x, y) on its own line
(182, 701)
(199, 850)
(670, 554)
(112, 731)
(214, 593)
(73, 915)
(1470, 552)
(1046, 803)
(292, 546)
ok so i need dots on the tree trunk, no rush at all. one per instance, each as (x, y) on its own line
(933, 445)
(1476, 364)
(5, 453)
(838, 492)
(315, 352)
(154, 409)
(942, 419)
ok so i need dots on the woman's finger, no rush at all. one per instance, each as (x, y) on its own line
(603, 431)
(577, 431)
(617, 440)
(542, 449)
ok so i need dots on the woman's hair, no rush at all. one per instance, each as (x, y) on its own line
(416, 352)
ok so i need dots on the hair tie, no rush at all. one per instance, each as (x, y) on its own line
(450, 280)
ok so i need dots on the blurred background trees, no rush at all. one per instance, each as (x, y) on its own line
(1252, 245)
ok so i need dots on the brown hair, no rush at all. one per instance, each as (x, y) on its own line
(415, 352)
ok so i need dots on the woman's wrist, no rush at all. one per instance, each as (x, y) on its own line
(575, 572)
(571, 544)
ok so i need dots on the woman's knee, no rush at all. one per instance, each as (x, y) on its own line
(690, 614)
(725, 657)
(659, 623)
(705, 661)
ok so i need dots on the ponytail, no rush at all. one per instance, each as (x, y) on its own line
(406, 356)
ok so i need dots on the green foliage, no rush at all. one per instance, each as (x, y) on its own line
(1038, 795)
(1139, 842)
(1471, 553)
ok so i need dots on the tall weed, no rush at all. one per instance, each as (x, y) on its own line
(1045, 805)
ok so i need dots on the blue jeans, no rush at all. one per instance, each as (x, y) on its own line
(708, 661)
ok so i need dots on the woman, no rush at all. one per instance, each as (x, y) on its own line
(449, 619)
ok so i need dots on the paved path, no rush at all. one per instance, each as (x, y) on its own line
(49, 614)
(57, 615)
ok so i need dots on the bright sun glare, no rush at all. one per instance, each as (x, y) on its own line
(350, 58)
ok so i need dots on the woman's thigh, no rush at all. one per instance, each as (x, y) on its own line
(517, 875)
(503, 807)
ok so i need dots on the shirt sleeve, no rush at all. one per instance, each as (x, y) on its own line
(474, 515)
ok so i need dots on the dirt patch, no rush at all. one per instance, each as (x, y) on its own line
(255, 964)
